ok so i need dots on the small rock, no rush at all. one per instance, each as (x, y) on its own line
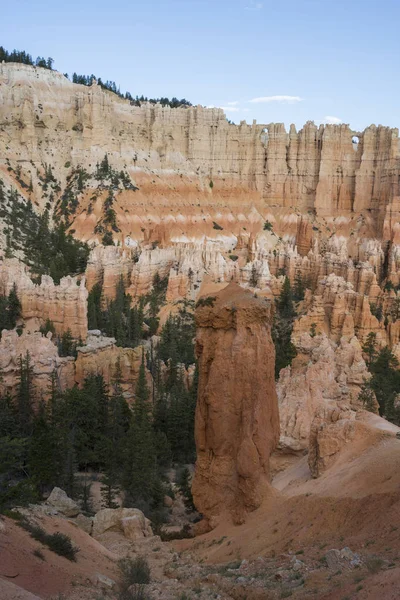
(104, 581)
(297, 565)
(333, 559)
(347, 554)
(168, 502)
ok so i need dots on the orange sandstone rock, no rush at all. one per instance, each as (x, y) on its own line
(237, 423)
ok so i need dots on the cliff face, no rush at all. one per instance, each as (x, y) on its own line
(174, 154)
(237, 414)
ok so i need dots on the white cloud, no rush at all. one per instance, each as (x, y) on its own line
(228, 108)
(232, 103)
(332, 120)
(254, 5)
(282, 99)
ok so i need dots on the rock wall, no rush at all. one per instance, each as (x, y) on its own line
(237, 423)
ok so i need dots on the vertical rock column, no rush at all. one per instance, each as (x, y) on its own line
(237, 422)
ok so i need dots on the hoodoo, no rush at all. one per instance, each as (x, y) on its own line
(237, 423)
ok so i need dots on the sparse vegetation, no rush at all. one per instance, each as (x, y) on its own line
(268, 226)
(208, 301)
(57, 542)
(134, 570)
(47, 251)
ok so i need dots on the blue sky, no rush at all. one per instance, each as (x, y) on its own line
(300, 59)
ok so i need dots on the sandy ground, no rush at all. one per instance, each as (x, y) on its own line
(55, 574)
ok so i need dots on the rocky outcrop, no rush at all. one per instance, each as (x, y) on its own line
(59, 500)
(337, 430)
(323, 375)
(64, 304)
(44, 359)
(237, 423)
(102, 356)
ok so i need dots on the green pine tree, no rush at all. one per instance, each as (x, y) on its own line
(140, 457)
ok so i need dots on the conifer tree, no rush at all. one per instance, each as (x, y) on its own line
(42, 458)
(14, 307)
(25, 396)
(118, 425)
(299, 288)
(140, 461)
(369, 347)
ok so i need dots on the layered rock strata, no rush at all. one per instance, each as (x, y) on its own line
(174, 154)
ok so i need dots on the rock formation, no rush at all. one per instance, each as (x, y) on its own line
(237, 422)
(65, 304)
(174, 154)
(102, 356)
(44, 359)
(323, 375)
(336, 430)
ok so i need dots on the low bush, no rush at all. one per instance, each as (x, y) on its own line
(134, 571)
(59, 543)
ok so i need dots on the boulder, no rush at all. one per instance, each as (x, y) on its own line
(84, 523)
(130, 521)
(59, 500)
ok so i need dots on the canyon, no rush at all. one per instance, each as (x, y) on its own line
(225, 215)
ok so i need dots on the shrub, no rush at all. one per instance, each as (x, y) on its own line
(233, 257)
(39, 554)
(209, 301)
(134, 571)
(59, 543)
(107, 239)
(268, 226)
(137, 592)
(216, 226)
(374, 564)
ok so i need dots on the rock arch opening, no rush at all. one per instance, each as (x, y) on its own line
(355, 140)
(264, 136)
